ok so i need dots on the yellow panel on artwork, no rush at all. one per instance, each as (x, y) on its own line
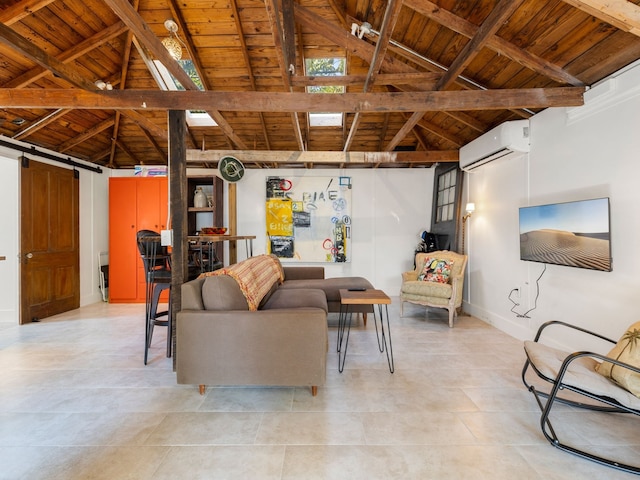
(279, 217)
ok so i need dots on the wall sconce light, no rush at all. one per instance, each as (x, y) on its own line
(172, 42)
(470, 208)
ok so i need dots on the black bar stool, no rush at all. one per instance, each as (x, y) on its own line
(157, 268)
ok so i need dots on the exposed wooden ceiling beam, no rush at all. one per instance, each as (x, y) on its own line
(141, 30)
(176, 13)
(114, 140)
(164, 156)
(465, 100)
(41, 123)
(489, 27)
(468, 29)
(20, 10)
(388, 24)
(355, 46)
(99, 157)
(426, 80)
(286, 68)
(288, 34)
(406, 128)
(126, 56)
(439, 132)
(343, 38)
(282, 158)
(339, 11)
(183, 31)
(422, 141)
(247, 62)
(145, 123)
(67, 56)
(364, 50)
(621, 14)
(86, 135)
(20, 44)
(128, 151)
(383, 131)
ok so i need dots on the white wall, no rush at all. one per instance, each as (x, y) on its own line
(94, 225)
(586, 152)
(390, 208)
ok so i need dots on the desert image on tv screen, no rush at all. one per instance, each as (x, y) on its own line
(575, 234)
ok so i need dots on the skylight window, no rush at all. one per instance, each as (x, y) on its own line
(195, 118)
(325, 67)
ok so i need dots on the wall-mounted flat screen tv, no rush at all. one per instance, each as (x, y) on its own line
(575, 234)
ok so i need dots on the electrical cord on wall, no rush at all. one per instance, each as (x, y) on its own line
(535, 302)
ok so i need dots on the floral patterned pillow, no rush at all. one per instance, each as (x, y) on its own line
(436, 270)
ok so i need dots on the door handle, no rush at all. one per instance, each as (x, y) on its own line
(29, 255)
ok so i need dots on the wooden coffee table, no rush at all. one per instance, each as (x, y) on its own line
(364, 297)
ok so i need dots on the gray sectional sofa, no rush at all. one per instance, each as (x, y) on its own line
(227, 336)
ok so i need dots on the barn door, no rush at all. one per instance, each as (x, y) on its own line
(49, 240)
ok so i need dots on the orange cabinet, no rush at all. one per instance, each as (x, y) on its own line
(135, 203)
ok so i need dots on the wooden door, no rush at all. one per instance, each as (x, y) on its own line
(123, 253)
(49, 241)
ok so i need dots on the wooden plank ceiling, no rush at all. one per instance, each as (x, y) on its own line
(425, 77)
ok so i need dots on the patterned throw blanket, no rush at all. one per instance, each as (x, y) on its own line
(255, 276)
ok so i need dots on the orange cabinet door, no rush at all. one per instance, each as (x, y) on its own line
(123, 253)
(151, 203)
(134, 204)
(151, 206)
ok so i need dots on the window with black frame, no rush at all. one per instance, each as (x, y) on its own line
(446, 197)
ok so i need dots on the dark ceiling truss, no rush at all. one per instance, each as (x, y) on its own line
(282, 28)
(407, 74)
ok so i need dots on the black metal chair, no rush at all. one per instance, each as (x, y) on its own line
(157, 267)
(204, 258)
(577, 373)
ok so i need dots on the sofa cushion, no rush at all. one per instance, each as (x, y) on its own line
(436, 270)
(255, 277)
(192, 295)
(581, 372)
(267, 296)
(301, 298)
(627, 350)
(221, 292)
(303, 272)
(428, 289)
(457, 260)
(330, 286)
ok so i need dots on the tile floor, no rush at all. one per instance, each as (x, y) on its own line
(76, 402)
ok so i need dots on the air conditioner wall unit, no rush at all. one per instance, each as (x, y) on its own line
(500, 142)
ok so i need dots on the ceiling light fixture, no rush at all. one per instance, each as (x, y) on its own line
(172, 42)
(102, 85)
(360, 30)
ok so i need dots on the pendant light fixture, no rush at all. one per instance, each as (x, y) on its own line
(172, 43)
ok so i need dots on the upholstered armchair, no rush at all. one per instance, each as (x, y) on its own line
(437, 281)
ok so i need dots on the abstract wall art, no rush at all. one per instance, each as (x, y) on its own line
(309, 218)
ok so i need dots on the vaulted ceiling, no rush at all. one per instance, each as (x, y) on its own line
(423, 77)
